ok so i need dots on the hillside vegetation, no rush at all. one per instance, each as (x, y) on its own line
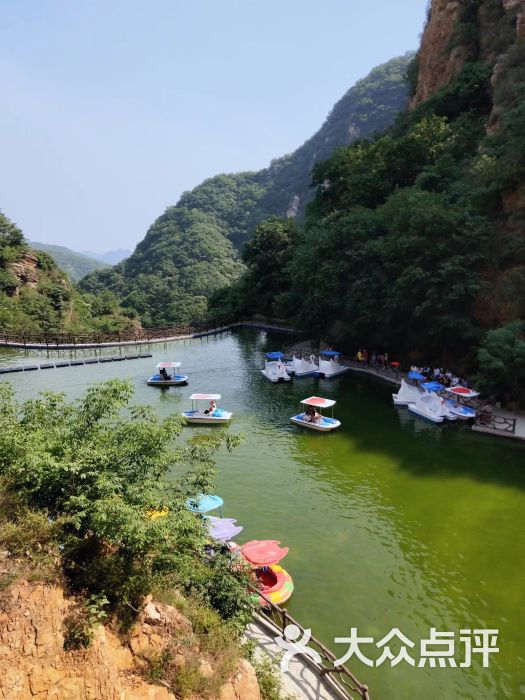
(36, 295)
(74, 264)
(193, 248)
(414, 242)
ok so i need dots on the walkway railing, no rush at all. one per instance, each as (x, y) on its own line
(505, 424)
(57, 339)
(346, 683)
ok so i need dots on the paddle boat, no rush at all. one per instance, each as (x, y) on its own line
(431, 406)
(309, 418)
(407, 394)
(428, 406)
(330, 364)
(204, 503)
(302, 366)
(274, 368)
(435, 387)
(210, 415)
(459, 409)
(223, 529)
(166, 378)
(271, 579)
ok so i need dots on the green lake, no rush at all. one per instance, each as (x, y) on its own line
(391, 522)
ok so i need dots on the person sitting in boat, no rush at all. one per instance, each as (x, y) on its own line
(312, 416)
(164, 374)
(211, 408)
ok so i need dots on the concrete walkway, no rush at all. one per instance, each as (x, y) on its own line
(302, 681)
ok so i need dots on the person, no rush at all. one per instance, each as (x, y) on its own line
(359, 356)
(212, 407)
(164, 374)
(311, 415)
(365, 357)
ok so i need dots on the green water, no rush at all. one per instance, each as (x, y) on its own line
(391, 522)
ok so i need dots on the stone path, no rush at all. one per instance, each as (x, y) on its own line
(301, 681)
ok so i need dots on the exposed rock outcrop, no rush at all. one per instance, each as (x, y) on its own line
(438, 64)
(34, 665)
(26, 271)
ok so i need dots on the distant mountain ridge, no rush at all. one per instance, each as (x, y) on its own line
(111, 257)
(77, 265)
(193, 248)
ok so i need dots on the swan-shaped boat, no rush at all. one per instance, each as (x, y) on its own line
(313, 420)
(274, 368)
(407, 394)
(302, 366)
(431, 406)
(272, 580)
(167, 378)
(330, 364)
(209, 416)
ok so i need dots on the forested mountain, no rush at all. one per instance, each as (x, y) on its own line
(76, 265)
(415, 241)
(36, 295)
(193, 248)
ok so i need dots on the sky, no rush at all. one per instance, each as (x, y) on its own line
(110, 109)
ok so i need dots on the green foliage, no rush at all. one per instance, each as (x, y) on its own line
(192, 251)
(96, 468)
(407, 246)
(502, 362)
(74, 264)
(41, 298)
(79, 623)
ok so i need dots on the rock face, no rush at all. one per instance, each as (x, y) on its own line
(438, 64)
(25, 270)
(34, 665)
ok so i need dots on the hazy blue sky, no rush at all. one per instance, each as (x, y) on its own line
(110, 109)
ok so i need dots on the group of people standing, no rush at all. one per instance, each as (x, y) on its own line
(373, 360)
(438, 374)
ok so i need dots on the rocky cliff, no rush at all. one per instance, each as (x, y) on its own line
(35, 666)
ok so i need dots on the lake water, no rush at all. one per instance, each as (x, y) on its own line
(391, 522)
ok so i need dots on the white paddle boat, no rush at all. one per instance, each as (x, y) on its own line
(302, 366)
(330, 364)
(210, 415)
(165, 377)
(314, 420)
(274, 368)
(407, 394)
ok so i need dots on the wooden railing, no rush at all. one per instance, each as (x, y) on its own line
(487, 419)
(347, 685)
(55, 339)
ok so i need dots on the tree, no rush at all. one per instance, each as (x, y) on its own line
(502, 362)
(98, 468)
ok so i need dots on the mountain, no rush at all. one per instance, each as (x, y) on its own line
(414, 243)
(112, 257)
(77, 265)
(36, 295)
(193, 248)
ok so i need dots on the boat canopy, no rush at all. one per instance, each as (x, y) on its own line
(263, 552)
(274, 355)
(432, 386)
(330, 353)
(204, 503)
(205, 397)
(318, 401)
(223, 529)
(415, 375)
(167, 365)
(463, 391)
